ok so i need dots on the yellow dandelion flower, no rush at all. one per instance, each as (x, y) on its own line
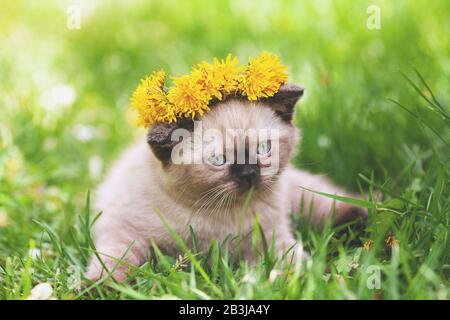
(368, 244)
(151, 102)
(263, 76)
(208, 80)
(391, 241)
(227, 73)
(189, 96)
(219, 78)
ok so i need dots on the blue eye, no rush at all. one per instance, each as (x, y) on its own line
(263, 147)
(217, 160)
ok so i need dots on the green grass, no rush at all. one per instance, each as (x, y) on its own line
(369, 120)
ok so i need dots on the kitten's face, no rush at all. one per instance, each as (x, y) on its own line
(243, 145)
(236, 146)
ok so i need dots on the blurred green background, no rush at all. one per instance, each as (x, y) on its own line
(64, 93)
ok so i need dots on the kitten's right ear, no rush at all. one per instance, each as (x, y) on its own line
(159, 138)
(283, 102)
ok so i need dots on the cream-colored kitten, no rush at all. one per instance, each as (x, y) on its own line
(146, 189)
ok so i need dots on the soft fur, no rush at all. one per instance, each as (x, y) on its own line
(144, 190)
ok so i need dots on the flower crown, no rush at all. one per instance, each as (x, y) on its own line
(191, 94)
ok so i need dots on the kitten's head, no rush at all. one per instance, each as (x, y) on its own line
(237, 145)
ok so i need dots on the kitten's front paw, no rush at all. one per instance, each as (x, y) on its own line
(350, 213)
(116, 270)
(296, 254)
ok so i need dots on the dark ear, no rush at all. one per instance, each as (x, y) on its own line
(283, 102)
(159, 138)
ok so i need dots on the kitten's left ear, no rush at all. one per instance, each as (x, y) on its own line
(159, 138)
(283, 102)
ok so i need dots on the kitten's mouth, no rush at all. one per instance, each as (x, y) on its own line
(246, 176)
(225, 196)
(260, 184)
(247, 184)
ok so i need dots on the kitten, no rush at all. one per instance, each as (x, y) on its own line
(147, 189)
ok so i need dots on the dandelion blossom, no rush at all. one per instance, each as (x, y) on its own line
(263, 76)
(189, 96)
(227, 74)
(151, 102)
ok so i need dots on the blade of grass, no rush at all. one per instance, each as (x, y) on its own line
(421, 121)
(349, 200)
(188, 252)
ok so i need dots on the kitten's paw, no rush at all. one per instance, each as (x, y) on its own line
(96, 270)
(296, 254)
(350, 213)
